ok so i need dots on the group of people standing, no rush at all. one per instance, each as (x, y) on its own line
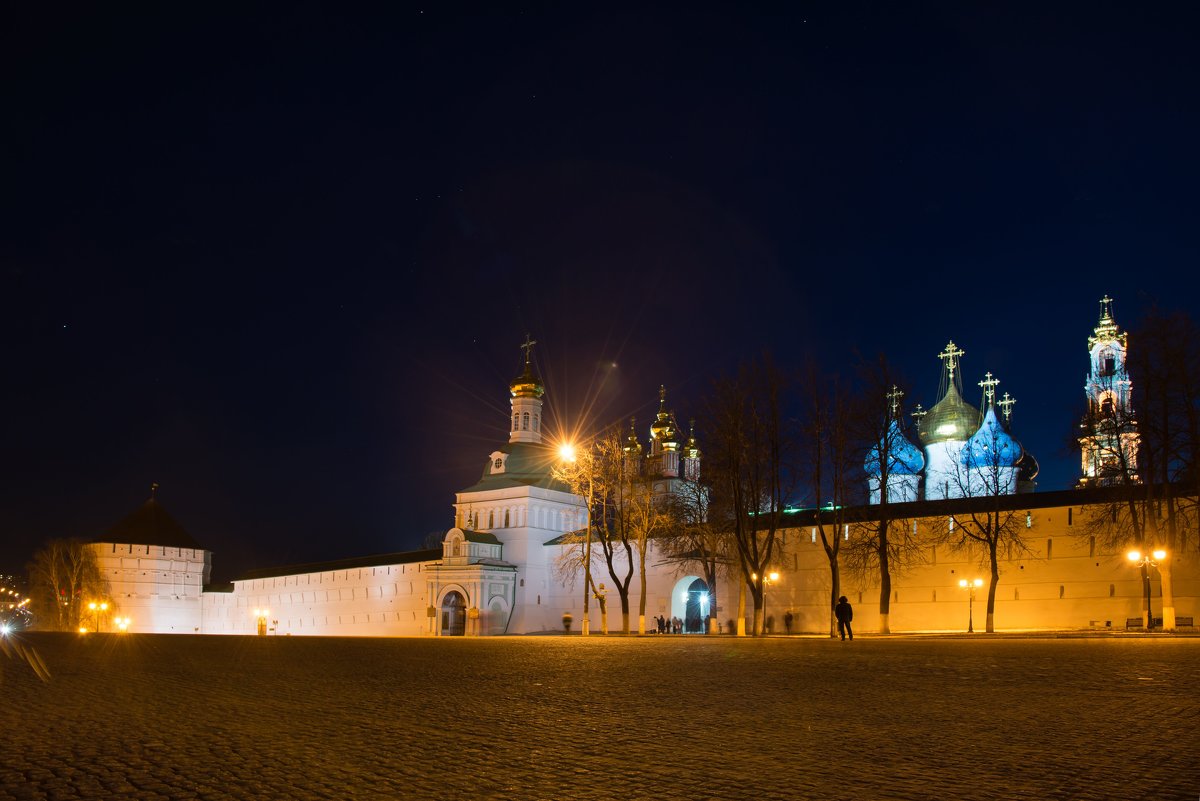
(673, 625)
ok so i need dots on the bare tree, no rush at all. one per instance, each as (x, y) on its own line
(826, 451)
(692, 540)
(607, 476)
(64, 577)
(748, 464)
(985, 474)
(883, 541)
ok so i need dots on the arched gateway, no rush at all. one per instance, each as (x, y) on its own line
(691, 602)
(454, 614)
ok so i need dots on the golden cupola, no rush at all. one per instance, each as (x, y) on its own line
(664, 434)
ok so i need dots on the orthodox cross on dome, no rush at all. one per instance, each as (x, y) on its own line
(950, 356)
(662, 396)
(989, 387)
(153, 490)
(894, 399)
(1006, 403)
(917, 413)
(527, 346)
(1106, 307)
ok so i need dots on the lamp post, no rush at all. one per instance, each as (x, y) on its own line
(97, 610)
(970, 587)
(767, 580)
(1145, 562)
(567, 453)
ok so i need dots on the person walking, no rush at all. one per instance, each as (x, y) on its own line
(844, 613)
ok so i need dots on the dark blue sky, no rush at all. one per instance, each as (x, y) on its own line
(280, 261)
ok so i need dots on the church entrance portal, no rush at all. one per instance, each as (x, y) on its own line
(454, 614)
(690, 602)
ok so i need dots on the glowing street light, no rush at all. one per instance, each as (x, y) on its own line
(970, 586)
(98, 609)
(568, 455)
(122, 624)
(1145, 562)
(767, 580)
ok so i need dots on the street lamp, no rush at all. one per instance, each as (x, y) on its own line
(97, 609)
(122, 624)
(1145, 562)
(970, 586)
(767, 580)
(569, 456)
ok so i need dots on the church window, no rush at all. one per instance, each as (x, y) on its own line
(498, 463)
(506, 518)
(1029, 520)
(516, 418)
(491, 519)
(1049, 548)
(535, 422)
(1108, 363)
(525, 421)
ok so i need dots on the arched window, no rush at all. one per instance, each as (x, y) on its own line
(491, 519)
(498, 463)
(506, 518)
(516, 419)
(535, 422)
(525, 421)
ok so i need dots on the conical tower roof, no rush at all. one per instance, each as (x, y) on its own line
(150, 524)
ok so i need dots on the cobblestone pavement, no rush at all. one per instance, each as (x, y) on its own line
(178, 717)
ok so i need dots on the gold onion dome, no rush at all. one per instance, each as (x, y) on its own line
(664, 430)
(951, 419)
(526, 385)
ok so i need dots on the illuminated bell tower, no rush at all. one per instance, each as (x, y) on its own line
(526, 391)
(1109, 436)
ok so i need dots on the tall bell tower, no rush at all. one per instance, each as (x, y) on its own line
(1108, 434)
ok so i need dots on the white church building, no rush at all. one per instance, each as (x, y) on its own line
(496, 570)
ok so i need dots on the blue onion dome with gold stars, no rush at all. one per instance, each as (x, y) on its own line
(951, 419)
(664, 430)
(905, 459)
(991, 445)
(527, 385)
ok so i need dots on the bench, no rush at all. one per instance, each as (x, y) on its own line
(1134, 623)
(1183, 621)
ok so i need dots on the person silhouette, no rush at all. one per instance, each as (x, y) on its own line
(844, 613)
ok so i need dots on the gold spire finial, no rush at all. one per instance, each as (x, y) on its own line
(989, 387)
(951, 356)
(1106, 307)
(527, 346)
(1006, 403)
(894, 399)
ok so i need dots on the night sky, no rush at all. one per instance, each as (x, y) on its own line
(280, 260)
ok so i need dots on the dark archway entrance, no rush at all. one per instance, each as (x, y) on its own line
(697, 607)
(454, 614)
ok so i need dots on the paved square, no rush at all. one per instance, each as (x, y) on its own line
(173, 717)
